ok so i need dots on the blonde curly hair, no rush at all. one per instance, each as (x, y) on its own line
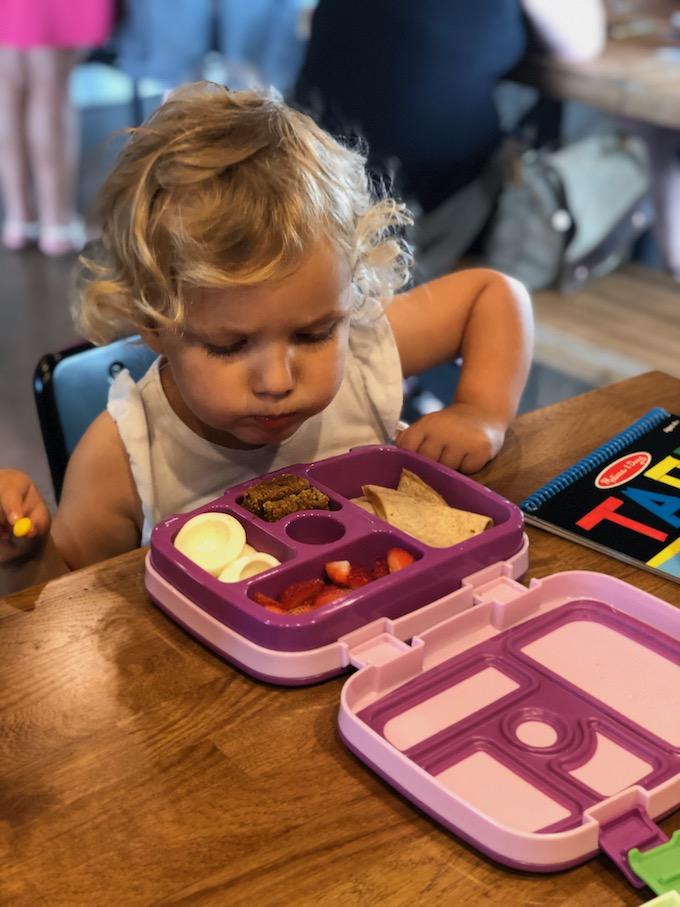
(220, 188)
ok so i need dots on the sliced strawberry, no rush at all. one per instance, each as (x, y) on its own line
(303, 608)
(398, 558)
(338, 572)
(329, 594)
(268, 602)
(296, 593)
(276, 609)
(380, 568)
(358, 576)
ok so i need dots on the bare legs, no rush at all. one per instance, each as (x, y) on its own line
(14, 168)
(39, 136)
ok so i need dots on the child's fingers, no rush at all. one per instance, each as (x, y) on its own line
(35, 511)
(422, 442)
(22, 508)
(410, 438)
(452, 456)
(431, 447)
(12, 504)
(472, 462)
(23, 515)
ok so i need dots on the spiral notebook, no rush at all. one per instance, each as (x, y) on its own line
(623, 498)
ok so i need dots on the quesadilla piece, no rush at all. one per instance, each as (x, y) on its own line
(415, 487)
(364, 503)
(434, 524)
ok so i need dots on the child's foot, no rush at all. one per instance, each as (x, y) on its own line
(18, 234)
(62, 239)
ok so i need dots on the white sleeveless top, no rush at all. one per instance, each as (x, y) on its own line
(175, 470)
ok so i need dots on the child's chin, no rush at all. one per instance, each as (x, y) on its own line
(275, 436)
(260, 435)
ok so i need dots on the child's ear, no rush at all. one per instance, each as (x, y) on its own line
(152, 340)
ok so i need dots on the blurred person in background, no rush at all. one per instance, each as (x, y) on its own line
(417, 81)
(259, 40)
(663, 148)
(662, 143)
(40, 42)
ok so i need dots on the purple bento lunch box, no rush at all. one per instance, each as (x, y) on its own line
(307, 540)
(542, 725)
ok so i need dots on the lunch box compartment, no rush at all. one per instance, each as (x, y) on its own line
(307, 539)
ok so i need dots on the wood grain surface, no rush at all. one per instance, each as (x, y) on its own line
(631, 78)
(616, 326)
(137, 768)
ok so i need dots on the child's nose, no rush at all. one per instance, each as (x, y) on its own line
(273, 376)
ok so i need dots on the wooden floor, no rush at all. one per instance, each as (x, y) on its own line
(35, 296)
(34, 301)
(619, 326)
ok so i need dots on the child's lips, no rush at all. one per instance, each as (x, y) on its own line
(279, 420)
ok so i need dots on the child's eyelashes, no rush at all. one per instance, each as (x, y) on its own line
(225, 351)
(304, 338)
(317, 336)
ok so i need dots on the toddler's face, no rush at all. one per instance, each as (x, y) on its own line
(253, 363)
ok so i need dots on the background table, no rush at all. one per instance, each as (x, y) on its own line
(138, 768)
(630, 78)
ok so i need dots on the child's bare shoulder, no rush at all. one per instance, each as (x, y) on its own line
(100, 514)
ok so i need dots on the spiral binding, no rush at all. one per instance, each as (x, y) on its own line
(597, 458)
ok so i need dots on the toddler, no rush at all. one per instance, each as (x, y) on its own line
(242, 242)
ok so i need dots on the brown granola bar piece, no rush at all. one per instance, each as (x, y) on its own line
(283, 494)
(307, 499)
(272, 490)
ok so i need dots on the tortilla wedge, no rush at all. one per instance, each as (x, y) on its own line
(415, 487)
(364, 503)
(434, 524)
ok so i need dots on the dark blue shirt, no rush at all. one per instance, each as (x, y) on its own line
(416, 79)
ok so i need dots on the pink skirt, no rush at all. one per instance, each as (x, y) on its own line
(55, 23)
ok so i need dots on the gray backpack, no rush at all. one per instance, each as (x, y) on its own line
(568, 215)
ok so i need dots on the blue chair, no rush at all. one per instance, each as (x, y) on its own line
(71, 389)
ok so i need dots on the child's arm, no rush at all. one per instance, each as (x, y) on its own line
(485, 317)
(99, 514)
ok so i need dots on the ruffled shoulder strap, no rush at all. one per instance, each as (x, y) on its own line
(374, 349)
(126, 408)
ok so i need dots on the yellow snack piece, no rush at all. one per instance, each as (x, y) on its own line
(22, 527)
(246, 566)
(212, 540)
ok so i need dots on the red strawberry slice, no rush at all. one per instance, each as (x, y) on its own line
(267, 602)
(358, 576)
(276, 609)
(398, 558)
(329, 594)
(297, 593)
(338, 572)
(380, 568)
(303, 608)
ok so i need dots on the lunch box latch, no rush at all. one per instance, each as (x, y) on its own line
(637, 846)
(377, 650)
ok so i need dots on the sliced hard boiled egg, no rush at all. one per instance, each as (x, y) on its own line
(246, 566)
(211, 540)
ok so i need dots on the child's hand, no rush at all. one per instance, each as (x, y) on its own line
(460, 436)
(20, 498)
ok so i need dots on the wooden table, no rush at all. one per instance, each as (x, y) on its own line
(138, 768)
(629, 79)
